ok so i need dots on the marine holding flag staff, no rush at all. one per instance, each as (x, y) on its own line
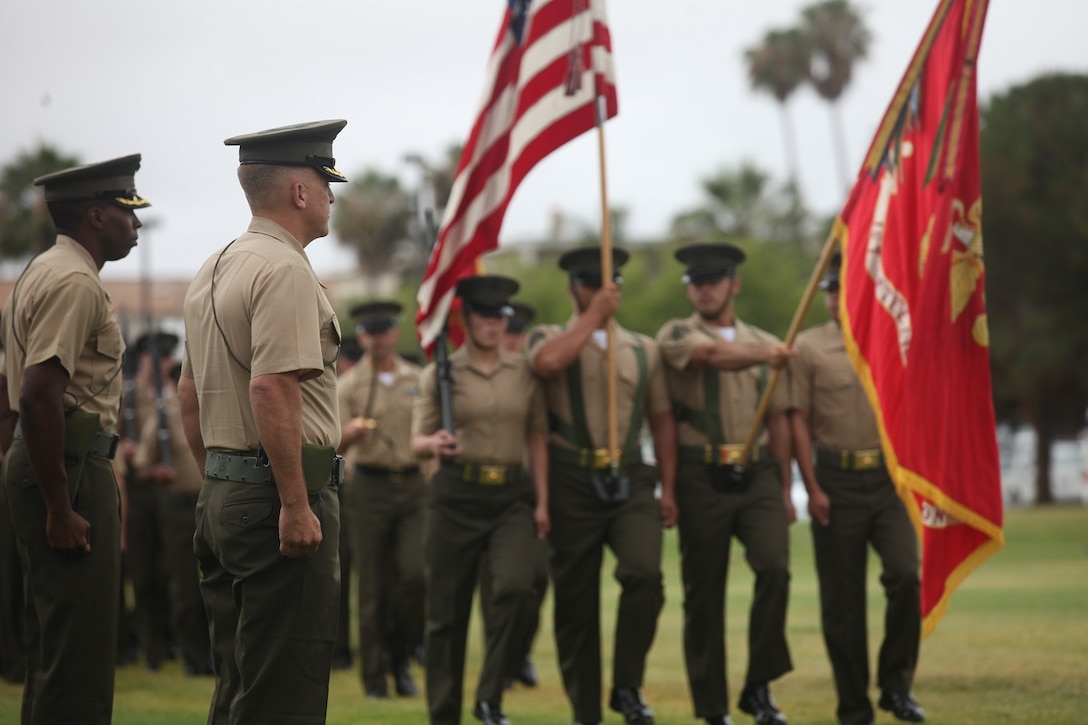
(854, 504)
(481, 503)
(595, 503)
(258, 395)
(717, 369)
(63, 367)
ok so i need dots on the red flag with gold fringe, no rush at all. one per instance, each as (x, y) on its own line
(913, 304)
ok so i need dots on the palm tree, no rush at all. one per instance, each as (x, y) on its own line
(372, 215)
(741, 203)
(779, 65)
(838, 39)
(25, 227)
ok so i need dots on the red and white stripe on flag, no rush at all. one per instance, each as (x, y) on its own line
(551, 62)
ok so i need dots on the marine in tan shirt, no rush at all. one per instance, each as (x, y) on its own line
(177, 480)
(376, 404)
(718, 368)
(63, 365)
(598, 501)
(854, 505)
(145, 554)
(260, 369)
(481, 504)
(383, 500)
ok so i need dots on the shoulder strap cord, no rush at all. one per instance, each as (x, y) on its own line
(215, 315)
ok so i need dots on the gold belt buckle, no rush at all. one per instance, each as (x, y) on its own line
(601, 458)
(492, 475)
(729, 454)
(867, 460)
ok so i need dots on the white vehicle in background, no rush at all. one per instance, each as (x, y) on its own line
(1068, 467)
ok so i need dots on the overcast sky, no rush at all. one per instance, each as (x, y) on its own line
(171, 80)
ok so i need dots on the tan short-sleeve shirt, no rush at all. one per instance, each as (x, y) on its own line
(59, 309)
(267, 314)
(492, 412)
(823, 384)
(187, 477)
(739, 390)
(364, 394)
(593, 362)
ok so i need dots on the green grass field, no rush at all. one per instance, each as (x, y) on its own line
(1013, 648)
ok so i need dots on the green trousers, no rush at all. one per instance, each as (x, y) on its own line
(145, 556)
(272, 619)
(341, 648)
(12, 603)
(867, 511)
(386, 520)
(467, 522)
(71, 601)
(709, 520)
(524, 640)
(582, 525)
(177, 512)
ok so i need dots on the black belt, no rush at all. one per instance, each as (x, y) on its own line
(104, 445)
(593, 458)
(394, 475)
(871, 459)
(248, 467)
(726, 454)
(484, 474)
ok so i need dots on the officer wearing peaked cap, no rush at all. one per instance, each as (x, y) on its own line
(167, 475)
(383, 499)
(592, 503)
(303, 144)
(481, 500)
(522, 669)
(258, 395)
(164, 343)
(517, 327)
(146, 548)
(63, 364)
(717, 368)
(854, 505)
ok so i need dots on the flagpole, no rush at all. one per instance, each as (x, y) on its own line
(606, 278)
(791, 335)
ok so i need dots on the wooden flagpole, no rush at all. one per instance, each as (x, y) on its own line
(791, 335)
(606, 278)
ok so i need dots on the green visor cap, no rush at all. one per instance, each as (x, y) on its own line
(709, 262)
(162, 343)
(584, 264)
(487, 294)
(830, 282)
(523, 315)
(302, 144)
(376, 316)
(113, 181)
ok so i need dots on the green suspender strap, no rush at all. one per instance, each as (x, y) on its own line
(578, 431)
(709, 419)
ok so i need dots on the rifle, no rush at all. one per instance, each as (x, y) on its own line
(128, 389)
(163, 433)
(441, 354)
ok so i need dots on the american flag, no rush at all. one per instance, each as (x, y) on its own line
(549, 77)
